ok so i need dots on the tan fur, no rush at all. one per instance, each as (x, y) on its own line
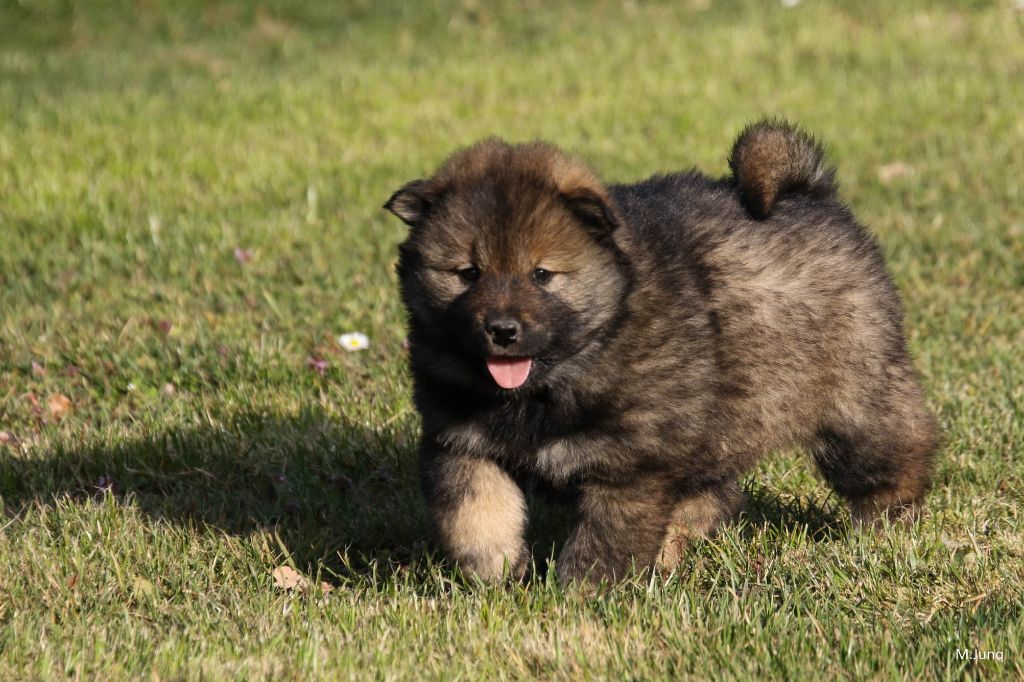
(485, 534)
(772, 158)
(485, 157)
(697, 516)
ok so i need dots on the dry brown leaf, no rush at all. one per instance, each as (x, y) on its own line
(894, 171)
(59, 406)
(287, 578)
(270, 29)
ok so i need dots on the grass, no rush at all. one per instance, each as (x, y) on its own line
(141, 144)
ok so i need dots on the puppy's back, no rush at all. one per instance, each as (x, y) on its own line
(805, 316)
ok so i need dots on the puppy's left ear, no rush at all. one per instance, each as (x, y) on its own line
(594, 209)
(412, 203)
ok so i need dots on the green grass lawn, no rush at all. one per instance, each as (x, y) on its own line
(190, 215)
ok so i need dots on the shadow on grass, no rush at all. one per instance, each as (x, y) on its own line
(338, 495)
(820, 521)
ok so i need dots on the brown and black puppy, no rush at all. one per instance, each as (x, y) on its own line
(643, 345)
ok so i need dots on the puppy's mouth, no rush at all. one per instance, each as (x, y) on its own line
(509, 373)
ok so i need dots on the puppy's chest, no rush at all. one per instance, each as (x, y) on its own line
(547, 440)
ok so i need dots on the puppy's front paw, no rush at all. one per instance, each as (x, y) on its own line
(492, 565)
(482, 520)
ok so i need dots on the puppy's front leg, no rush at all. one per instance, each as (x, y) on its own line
(479, 513)
(616, 525)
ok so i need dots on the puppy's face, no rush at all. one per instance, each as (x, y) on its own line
(509, 269)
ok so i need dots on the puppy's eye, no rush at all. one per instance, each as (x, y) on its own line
(470, 274)
(542, 276)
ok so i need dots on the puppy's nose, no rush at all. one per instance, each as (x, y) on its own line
(503, 330)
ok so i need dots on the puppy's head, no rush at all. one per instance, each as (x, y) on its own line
(510, 268)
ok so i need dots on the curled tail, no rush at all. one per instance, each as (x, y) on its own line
(773, 158)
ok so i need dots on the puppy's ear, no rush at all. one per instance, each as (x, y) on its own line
(413, 202)
(593, 209)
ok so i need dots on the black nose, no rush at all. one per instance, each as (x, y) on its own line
(504, 331)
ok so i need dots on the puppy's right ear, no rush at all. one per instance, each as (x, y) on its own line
(412, 203)
(593, 208)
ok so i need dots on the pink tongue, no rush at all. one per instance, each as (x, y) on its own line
(509, 372)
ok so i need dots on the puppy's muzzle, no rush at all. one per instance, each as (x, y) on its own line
(503, 330)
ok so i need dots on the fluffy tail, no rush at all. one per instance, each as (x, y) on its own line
(773, 158)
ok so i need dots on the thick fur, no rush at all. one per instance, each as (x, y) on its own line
(771, 158)
(692, 326)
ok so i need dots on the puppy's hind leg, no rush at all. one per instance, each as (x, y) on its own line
(882, 464)
(696, 516)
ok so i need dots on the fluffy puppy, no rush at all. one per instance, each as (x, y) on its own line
(643, 345)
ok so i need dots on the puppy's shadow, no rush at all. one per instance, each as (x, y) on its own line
(820, 520)
(337, 494)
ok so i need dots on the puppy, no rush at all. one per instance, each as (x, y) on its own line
(642, 345)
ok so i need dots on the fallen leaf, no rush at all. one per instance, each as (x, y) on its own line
(66, 278)
(894, 171)
(59, 406)
(270, 29)
(287, 578)
(38, 370)
(72, 581)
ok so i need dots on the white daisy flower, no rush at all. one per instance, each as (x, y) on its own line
(354, 341)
